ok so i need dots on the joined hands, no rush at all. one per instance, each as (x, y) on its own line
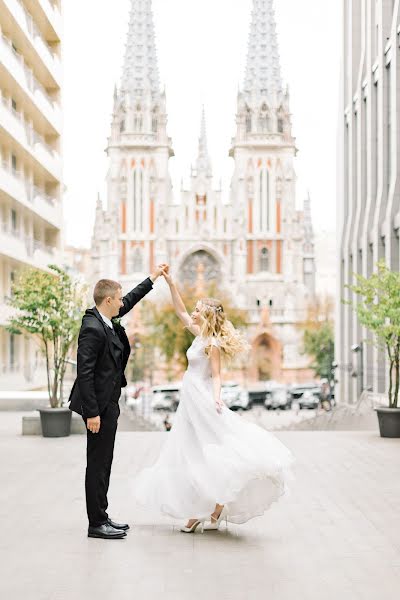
(166, 274)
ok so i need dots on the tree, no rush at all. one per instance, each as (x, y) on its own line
(168, 334)
(318, 337)
(378, 309)
(48, 306)
(319, 344)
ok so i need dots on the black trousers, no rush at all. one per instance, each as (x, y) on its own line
(99, 457)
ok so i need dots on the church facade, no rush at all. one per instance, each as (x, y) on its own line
(257, 245)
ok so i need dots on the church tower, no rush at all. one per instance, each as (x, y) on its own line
(263, 149)
(138, 181)
(270, 232)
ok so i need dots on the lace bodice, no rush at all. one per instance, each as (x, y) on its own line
(199, 362)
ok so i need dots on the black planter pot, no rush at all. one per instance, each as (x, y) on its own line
(389, 422)
(56, 422)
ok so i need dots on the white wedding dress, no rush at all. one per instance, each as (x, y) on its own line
(210, 457)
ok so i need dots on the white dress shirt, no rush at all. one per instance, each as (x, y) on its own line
(106, 321)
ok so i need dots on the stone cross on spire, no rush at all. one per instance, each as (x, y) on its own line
(203, 162)
(263, 72)
(140, 70)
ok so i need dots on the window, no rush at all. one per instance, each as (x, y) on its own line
(263, 119)
(12, 351)
(13, 219)
(248, 121)
(137, 261)
(264, 259)
(138, 123)
(12, 280)
(122, 126)
(14, 163)
(280, 125)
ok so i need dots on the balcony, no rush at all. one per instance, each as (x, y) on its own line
(25, 249)
(30, 196)
(14, 64)
(23, 133)
(38, 44)
(50, 12)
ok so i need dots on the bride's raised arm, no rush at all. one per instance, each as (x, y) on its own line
(179, 305)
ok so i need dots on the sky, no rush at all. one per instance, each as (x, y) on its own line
(202, 48)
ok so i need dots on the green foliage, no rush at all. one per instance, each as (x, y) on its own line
(318, 335)
(378, 309)
(167, 333)
(48, 305)
(319, 344)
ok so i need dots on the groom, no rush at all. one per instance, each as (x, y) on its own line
(103, 352)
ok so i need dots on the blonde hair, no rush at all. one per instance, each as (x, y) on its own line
(105, 288)
(216, 325)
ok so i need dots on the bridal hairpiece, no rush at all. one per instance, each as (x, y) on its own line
(214, 308)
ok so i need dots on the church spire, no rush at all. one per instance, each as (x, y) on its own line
(263, 72)
(203, 162)
(140, 70)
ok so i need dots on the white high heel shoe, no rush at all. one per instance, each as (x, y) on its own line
(193, 528)
(215, 523)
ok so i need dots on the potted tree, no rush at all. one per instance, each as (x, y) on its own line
(379, 311)
(48, 305)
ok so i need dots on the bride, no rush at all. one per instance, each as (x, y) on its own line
(214, 465)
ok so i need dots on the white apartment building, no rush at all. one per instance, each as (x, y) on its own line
(368, 190)
(30, 163)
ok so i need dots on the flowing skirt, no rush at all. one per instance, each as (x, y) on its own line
(210, 457)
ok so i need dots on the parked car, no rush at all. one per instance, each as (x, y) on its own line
(234, 396)
(296, 390)
(165, 397)
(257, 392)
(278, 396)
(310, 398)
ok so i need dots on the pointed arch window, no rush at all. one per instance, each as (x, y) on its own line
(122, 126)
(264, 259)
(138, 123)
(263, 200)
(248, 120)
(154, 120)
(280, 125)
(137, 200)
(263, 119)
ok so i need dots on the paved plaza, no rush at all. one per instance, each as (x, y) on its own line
(336, 537)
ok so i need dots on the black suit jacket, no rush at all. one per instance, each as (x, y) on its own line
(100, 371)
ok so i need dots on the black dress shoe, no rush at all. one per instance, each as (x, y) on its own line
(123, 526)
(106, 532)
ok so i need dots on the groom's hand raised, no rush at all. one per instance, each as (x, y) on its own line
(158, 271)
(93, 424)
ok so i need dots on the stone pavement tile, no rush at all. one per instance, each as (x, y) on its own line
(374, 588)
(333, 538)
